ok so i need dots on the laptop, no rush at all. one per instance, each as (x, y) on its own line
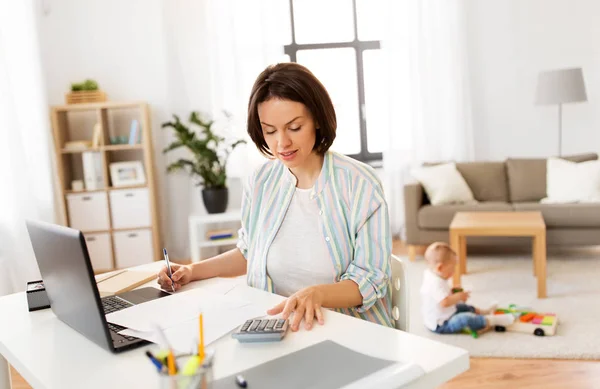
(64, 263)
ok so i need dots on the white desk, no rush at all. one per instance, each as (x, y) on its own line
(49, 354)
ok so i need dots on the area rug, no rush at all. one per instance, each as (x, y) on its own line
(573, 294)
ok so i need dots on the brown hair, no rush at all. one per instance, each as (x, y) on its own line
(294, 82)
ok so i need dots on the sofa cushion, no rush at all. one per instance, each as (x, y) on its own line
(527, 177)
(487, 180)
(565, 215)
(440, 216)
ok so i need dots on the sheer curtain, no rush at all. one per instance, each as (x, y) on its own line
(245, 36)
(25, 163)
(425, 47)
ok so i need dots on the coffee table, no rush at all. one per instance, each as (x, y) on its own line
(500, 224)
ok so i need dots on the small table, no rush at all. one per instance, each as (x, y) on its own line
(500, 224)
(198, 227)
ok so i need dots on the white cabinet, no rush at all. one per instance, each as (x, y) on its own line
(130, 208)
(100, 251)
(133, 248)
(88, 211)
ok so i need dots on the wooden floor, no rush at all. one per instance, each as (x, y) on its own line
(496, 373)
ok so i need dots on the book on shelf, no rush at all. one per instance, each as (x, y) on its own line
(93, 176)
(219, 234)
(134, 132)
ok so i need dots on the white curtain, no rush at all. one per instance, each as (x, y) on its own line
(425, 47)
(244, 37)
(25, 163)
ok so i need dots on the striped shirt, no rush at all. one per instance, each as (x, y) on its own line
(354, 223)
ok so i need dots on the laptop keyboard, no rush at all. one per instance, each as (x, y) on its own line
(113, 304)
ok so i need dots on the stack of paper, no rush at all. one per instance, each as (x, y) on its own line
(177, 316)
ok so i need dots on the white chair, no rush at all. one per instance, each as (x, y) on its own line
(400, 294)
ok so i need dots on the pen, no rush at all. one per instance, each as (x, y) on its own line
(169, 268)
(240, 381)
(156, 362)
(201, 340)
(171, 366)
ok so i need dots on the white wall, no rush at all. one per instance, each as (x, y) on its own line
(149, 50)
(509, 42)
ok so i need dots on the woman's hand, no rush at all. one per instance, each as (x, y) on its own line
(181, 276)
(305, 303)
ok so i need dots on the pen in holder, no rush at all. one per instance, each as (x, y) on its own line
(192, 373)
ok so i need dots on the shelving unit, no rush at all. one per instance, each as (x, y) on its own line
(120, 223)
(200, 224)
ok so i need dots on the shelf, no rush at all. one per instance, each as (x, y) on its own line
(83, 191)
(217, 242)
(104, 148)
(95, 232)
(130, 229)
(74, 151)
(94, 106)
(127, 187)
(123, 147)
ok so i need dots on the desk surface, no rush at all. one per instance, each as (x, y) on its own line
(49, 354)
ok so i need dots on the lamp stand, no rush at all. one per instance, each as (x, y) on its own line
(559, 129)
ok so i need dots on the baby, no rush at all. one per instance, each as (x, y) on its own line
(445, 312)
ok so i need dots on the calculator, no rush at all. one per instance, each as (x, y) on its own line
(261, 330)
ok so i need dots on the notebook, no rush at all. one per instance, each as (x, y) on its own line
(325, 365)
(123, 281)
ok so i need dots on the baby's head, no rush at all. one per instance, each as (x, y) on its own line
(441, 259)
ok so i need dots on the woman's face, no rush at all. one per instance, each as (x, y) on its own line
(289, 130)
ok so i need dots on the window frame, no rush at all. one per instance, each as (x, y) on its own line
(359, 48)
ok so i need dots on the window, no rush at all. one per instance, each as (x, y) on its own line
(339, 41)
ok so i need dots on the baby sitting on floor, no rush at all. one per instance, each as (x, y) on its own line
(445, 312)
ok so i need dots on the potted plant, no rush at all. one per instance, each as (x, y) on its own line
(208, 162)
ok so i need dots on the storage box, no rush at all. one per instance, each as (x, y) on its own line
(91, 96)
(88, 211)
(100, 251)
(130, 208)
(133, 248)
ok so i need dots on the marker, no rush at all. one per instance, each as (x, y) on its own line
(156, 362)
(166, 256)
(240, 381)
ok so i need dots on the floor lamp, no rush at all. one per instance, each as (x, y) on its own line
(559, 87)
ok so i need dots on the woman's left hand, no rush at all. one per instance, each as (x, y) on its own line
(305, 303)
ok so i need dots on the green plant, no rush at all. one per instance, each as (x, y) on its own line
(209, 151)
(86, 85)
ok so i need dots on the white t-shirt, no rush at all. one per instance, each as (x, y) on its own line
(298, 256)
(433, 291)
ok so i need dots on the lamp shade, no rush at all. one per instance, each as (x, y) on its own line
(560, 86)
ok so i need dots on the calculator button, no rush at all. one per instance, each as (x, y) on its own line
(255, 324)
(263, 324)
(246, 325)
(270, 325)
(279, 324)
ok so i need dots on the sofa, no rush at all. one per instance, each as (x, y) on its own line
(512, 185)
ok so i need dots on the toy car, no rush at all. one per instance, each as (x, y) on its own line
(527, 321)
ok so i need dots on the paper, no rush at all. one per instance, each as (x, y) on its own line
(172, 310)
(219, 321)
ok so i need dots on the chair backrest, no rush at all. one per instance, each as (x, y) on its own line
(400, 294)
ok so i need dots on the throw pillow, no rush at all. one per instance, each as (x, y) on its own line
(444, 184)
(571, 182)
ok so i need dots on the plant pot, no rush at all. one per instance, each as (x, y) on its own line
(215, 200)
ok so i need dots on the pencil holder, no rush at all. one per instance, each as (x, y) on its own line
(190, 374)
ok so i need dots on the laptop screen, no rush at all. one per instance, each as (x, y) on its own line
(68, 276)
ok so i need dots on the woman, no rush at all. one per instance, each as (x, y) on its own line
(315, 225)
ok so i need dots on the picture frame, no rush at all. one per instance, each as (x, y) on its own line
(127, 173)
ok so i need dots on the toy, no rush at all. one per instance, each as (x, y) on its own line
(529, 321)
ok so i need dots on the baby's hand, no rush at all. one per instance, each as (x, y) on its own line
(464, 296)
